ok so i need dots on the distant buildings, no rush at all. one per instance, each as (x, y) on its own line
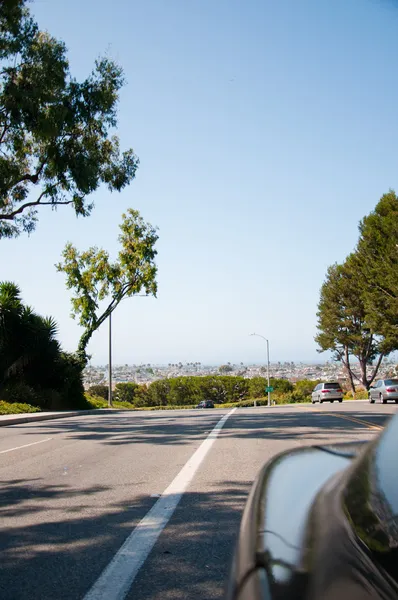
(146, 373)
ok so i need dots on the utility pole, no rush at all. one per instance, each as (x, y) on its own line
(110, 363)
(269, 393)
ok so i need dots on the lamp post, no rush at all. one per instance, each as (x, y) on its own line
(269, 393)
(110, 363)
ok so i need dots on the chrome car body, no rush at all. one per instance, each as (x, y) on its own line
(322, 522)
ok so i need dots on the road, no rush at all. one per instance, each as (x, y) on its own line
(74, 489)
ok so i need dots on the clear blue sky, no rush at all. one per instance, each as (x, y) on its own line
(265, 130)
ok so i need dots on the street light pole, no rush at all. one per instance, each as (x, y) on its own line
(269, 393)
(110, 363)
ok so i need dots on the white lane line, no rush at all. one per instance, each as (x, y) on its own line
(25, 446)
(117, 578)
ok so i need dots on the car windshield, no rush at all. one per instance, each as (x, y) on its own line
(332, 386)
(391, 382)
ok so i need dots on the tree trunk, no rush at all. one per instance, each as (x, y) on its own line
(376, 368)
(348, 369)
(364, 377)
(346, 363)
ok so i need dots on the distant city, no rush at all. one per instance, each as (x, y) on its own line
(146, 373)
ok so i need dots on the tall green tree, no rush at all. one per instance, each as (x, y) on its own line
(55, 142)
(96, 279)
(343, 326)
(377, 264)
(33, 367)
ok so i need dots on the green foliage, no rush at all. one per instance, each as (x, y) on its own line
(226, 369)
(33, 368)
(54, 130)
(12, 408)
(95, 278)
(221, 389)
(184, 390)
(158, 392)
(18, 391)
(343, 324)
(377, 264)
(125, 392)
(257, 386)
(98, 390)
(303, 389)
(95, 401)
(358, 308)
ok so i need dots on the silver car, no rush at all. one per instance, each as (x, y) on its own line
(329, 391)
(383, 390)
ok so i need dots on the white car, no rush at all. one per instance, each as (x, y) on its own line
(329, 391)
(383, 390)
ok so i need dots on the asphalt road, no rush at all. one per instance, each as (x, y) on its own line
(73, 490)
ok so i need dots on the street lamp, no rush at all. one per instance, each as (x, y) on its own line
(110, 363)
(269, 393)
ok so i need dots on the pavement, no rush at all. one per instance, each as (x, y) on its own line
(6, 420)
(75, 489)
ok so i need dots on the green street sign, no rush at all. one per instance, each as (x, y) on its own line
(269, 389)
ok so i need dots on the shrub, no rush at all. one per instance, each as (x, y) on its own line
(95, 401)
(99, 390)
(303, 389)
(125, 392)
(158, 392)
(12, 408)
(15, 391)
(361, 395)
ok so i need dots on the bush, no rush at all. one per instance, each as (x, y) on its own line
(20, 392)
(125, 392)
(12, 408)
(303, 389)
(361, 395)
(98, 390)
(158, 392)
(95, 401)
(71, 389)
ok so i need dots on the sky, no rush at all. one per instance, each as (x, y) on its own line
(265, 131)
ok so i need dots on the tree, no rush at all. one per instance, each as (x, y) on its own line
(55, 147)
(343, 326)
(126, 392)
(94, 278)
(102, 391)
(226, 368)
(377, 263)
(33, 367)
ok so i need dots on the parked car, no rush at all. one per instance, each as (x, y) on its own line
(330, 391)
(206, 404)
(384, 390)
(322, 523)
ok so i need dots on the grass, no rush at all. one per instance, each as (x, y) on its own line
(14, 408)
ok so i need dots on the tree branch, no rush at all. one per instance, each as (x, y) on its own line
(10, 216)
(33, 178)
(5, 129)
(376, 368)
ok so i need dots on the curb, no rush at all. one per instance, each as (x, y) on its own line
(15, 419)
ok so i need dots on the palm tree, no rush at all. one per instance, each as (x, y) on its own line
(29, 350)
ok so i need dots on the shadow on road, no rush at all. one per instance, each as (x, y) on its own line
(185, 429)
(61, 558)
(305, 427)
(61, 555)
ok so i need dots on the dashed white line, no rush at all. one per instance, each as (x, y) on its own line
(116, 580)
(25, 446)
